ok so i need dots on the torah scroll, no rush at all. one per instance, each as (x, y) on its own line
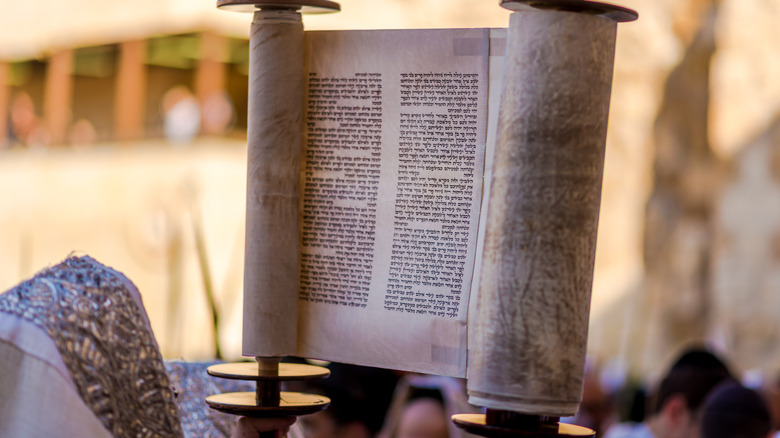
(528, 339)
(273, 185)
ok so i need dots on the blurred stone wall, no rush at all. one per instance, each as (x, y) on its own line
(744, 130)
(711, 222)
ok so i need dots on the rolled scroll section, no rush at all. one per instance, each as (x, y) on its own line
(529, 336)
(274, 147)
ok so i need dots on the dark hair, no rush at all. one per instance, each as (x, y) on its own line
(418, 393)
(733, 411)
(357, 393)
(693, 375)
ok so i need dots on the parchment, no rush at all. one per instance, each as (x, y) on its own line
(274, 147)
(351, 328)
(528, 337)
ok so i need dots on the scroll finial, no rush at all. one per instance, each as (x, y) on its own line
(305, 6)
(613, 12)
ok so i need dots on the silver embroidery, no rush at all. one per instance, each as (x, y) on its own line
(102, 337)
(197, 419)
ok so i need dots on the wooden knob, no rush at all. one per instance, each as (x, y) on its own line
(305, 6)
(613, 12)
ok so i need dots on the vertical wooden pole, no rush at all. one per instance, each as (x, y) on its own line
(130, 91)
(5, 80)
(210, 76)
(273, 189)
(58, 94)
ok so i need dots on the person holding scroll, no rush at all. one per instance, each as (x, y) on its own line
(78, 359)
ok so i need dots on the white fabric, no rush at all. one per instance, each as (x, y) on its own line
(37, 396)
(629, 430)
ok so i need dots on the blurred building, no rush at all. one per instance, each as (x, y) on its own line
(89, 71)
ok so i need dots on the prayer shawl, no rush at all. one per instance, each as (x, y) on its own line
(78, 358)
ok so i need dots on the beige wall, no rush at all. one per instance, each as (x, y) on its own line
(134, 209)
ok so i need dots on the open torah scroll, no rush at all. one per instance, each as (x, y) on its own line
(382, 231)
(394, 138)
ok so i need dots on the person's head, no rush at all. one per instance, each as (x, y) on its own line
(733, 411)
(423, 405)
(359, 398)
(423, 415)
(596, 406)
(682, 392)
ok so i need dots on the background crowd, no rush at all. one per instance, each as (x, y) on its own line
(700, 396)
